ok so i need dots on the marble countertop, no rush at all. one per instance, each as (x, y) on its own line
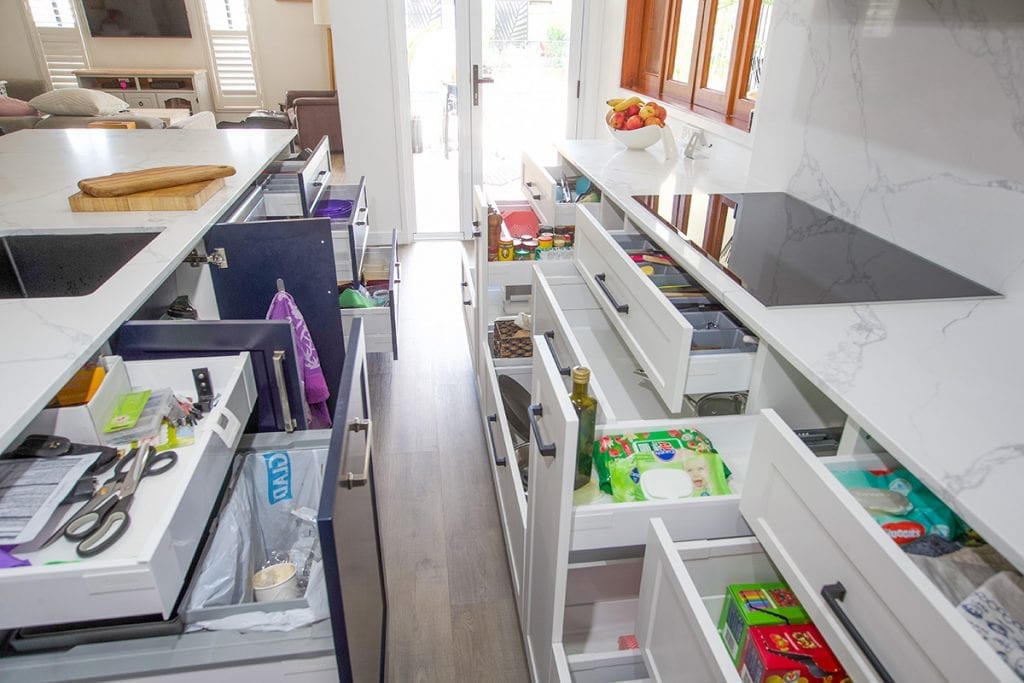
(45, 340)
(936, 383)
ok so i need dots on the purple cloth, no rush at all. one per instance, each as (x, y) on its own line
(8, 560)
(283, 307)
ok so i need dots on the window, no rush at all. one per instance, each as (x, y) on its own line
(59, 40)
(706, 55)
(230, 41)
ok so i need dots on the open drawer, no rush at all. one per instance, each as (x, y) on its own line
(144, 571)
(509, 479)
(346, 206)
(293, 187)
(382, 272)
(673, 359)
(540, 186)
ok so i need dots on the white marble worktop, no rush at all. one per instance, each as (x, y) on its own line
(45, 340)
(936, 383)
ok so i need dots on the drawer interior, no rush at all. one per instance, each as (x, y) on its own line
(601, 601)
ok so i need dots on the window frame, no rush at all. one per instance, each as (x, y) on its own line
(731, 106)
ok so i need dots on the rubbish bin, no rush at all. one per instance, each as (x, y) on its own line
(417, 135)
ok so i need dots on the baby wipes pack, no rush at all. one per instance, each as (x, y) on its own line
(677, 463)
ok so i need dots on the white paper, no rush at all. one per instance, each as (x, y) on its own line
(32, 488)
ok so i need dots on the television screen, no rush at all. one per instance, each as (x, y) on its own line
(135, 18)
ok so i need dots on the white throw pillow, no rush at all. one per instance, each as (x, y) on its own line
(78, 102)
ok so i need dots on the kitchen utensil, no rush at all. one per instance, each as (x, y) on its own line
(725, 403)
(131, 182)
(104, 519)
(178, 198)
(582, 187)
(516, 401)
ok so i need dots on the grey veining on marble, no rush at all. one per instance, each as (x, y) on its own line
(45, 340)
(936, 383)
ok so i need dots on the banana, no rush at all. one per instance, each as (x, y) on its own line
(613, 102)
(627, 103)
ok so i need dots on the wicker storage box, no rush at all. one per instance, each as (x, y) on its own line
(510, 340)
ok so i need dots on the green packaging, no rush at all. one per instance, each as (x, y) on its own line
(660, 465)
(756, 604)
(129, 408)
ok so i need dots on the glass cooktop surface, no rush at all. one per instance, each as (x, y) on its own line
(786, 252)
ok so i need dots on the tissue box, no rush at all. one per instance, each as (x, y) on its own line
(85, 423)
(756, 604)
(789, 653)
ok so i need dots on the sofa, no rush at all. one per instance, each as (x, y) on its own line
(314, 114)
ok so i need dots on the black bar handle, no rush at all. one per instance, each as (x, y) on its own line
(469, 301)
(536, 197)
(834, 594)
(549, 337)
(476, 229)
(545, 449)
(621, 308)
(491, 419)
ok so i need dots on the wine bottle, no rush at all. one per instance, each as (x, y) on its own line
(586, 410)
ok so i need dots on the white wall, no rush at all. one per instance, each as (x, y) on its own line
(291, 51)
(906, 118)
(16, 57)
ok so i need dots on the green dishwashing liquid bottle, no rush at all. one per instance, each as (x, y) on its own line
(586, 410)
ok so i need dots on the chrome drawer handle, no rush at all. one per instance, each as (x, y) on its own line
(491, 419)
(620, 308)
(545, 449)
(834, 594)
(549, 337)
(282, 391)
(353, 479)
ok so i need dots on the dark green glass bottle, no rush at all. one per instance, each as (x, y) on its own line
(586, 410)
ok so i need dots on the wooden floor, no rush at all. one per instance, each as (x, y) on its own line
(451, 606)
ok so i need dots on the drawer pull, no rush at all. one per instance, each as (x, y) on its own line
(545, 449)
(621, 308)
(549, 337)
(319, 178)
(282, 391)
(476, 229)
(491, 419)
(536, 197)
(398, 272)
(469, 301)
(834, 594)
(353, 479)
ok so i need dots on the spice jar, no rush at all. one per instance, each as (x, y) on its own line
(505, 250)
(530, 245)
(545, 241)
(558, 241)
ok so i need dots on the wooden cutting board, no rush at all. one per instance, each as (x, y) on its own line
(133, 182)
(179, 198)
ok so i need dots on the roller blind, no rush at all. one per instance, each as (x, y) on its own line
(60, 40)
(231, 53)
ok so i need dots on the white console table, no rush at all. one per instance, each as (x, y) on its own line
(151, 88)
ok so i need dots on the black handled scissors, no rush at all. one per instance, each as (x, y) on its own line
(104, 519)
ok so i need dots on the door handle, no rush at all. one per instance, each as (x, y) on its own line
(549, 337)
(353, 479)
(834, 594)
(491, 419)
(545, 449)
(477, 80)
(620, 308)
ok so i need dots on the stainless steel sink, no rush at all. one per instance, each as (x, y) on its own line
(38, 266)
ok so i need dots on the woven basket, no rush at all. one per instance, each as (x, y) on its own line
(510, 340)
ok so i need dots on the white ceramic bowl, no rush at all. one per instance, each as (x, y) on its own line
(639, 138)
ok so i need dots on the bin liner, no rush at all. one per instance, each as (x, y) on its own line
(264, 514)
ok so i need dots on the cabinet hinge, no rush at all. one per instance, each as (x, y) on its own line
(217, 258)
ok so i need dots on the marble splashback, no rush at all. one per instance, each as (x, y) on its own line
(905, 117)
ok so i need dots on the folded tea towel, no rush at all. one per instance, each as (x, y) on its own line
(283, 307)
(958, 574)
(996, 612)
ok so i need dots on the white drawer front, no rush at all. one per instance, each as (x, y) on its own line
(469, 311)
(376, 327)
(657, 336)
(143, 572)
(818, 535)
(508, 483)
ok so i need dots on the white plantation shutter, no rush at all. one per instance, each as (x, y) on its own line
(60, 40)
(234, 71)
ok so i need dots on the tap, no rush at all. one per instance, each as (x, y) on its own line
(695, 142)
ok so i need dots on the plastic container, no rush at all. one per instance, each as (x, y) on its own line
(276, 582)
(335, 209)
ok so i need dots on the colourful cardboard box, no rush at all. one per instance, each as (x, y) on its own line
(756, 604)
(789, 654)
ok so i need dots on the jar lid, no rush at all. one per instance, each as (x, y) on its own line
(545, 238)
(580, 374)
(506, 242)
(526, 236)
(528, 243)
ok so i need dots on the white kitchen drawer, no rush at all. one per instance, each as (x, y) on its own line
(508, 482)
(142, 100)
(658, 337)
(380, 324)
(294, 187)
(144, 571)
(818, 536)
(620, 666)
(470, 311)
(539, 188)
(681, 597)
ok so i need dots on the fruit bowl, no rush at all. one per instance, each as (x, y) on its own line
(639, 138)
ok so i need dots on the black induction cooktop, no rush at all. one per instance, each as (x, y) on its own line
(786, 252)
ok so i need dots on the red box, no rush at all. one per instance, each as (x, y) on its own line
(789, 654)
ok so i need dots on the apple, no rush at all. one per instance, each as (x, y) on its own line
(618, 120)
(660, 111)
(634, 122)
(647, 111)
(633, 110)
(654, 121)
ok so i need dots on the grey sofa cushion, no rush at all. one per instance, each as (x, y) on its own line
(9, 124)
(83, 121)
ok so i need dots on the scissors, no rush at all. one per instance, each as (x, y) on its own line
(104, 519)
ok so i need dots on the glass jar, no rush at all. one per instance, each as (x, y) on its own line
(545, 241)
(530, 246)
(558, 241)
(505, 250)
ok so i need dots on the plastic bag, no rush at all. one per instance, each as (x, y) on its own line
(258, 520)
